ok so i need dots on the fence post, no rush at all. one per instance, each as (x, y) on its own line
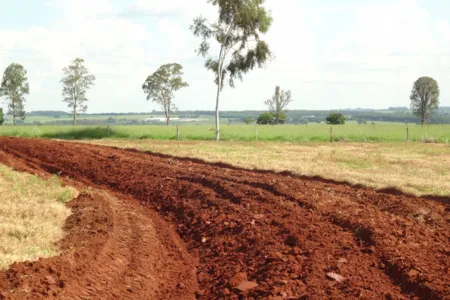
(407, 133)
(331, 134)
(178, 133)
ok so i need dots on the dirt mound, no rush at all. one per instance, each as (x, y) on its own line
(263, 235)
(112, 251)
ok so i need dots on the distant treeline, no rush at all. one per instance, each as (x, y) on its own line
(393, 114)
(310, 116)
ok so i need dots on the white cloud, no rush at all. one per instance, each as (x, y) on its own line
(80, 9)
(320, 52)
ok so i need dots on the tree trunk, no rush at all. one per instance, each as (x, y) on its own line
(14, 112)
(217, 109)
(74, 117)
(168, 118)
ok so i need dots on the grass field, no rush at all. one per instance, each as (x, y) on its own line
(32, 215)
(381, 132)
(417, 168)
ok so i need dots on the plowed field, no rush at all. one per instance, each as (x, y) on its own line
(215, 231)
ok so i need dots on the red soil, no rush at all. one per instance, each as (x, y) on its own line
(250, 234)
(113, 250)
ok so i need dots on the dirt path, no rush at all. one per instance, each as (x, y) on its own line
(113, 251)
(264, 235)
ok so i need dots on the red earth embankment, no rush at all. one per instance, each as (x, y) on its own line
(263, 235)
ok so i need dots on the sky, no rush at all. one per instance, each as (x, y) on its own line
(330, 54)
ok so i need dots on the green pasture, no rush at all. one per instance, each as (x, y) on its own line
(380, 132)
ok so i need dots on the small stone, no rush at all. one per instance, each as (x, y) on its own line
(238, 279)
(50, 280)
(335, 277)
(413, 273)
(342, 261)
(247, 285)
(204, 240)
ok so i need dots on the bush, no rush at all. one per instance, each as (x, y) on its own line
(266, 119)
(335, 119)
(1, 116)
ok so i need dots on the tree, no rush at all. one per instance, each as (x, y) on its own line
(237, 31)
(424, 98)
(1, 116)
(335, 119)
(161, 85)
(277, 105)
(14, 87)
(266, 119)
(76, 82)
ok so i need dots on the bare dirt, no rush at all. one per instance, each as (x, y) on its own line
(113, 250)
(245, 234)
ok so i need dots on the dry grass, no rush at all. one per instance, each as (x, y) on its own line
(420, 169)
(32, 214)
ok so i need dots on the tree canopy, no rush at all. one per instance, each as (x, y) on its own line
(76, 82)
(424, 98)
(335, 119)
(161, 85)
(266, 119)
(237, 31)
(13, 88)
(278, 103)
